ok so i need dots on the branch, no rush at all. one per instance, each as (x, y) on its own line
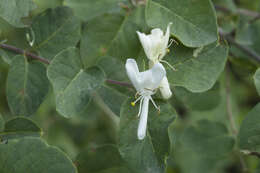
(228, 105)
(243, 48)
(251, 153)
(244, 12)
(119, 83)
(44, 60)
(23, 52)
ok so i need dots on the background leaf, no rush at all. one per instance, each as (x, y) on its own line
(13, 11)
(194, 21)
(196, 71)
(33, 155)
(257, 80)
(250, 131)
(27, 86)
(87, 9)
(90, 160)
(201, 143)
(55, 30)
(20, 127)
(116, 36)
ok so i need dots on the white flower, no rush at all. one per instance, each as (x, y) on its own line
(146, 84)
(155, 47)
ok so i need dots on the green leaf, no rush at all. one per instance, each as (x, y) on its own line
(147, 154)
(33, 155)
(116, 36)
(55, 30)
(73, 84)
(20, 127)
(250, 130)
(27, 86)
(197, 69)
(199, 101)
(194, 21)
(13, 11)
(112, 98)
(88, 9)
(90, 161)
(206, 144)
(257, 80)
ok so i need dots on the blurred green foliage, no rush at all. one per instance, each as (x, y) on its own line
(210, 125)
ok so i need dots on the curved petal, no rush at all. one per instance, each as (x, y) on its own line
(141, 132)
(165, 88)
(133, 73)
(165, 40)
(152, 78)
(146, 43)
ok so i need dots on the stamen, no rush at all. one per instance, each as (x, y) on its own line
(133, 103)
(158, 108)
(170, 42)
(163, 61)
(140, 106)
(168, 50)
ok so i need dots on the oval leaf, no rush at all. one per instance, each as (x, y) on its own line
(197, 70)
(55, 30)
(73, 85)
(27, 86)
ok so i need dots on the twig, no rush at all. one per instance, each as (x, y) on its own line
(228, 105)
(243, 48)
(44, 60)
(23, 52)
(240, 11)
(231, 117)
(119, 83)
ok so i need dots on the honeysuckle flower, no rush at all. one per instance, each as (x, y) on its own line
(146, 84)
(155, 47)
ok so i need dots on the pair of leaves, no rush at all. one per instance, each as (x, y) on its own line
(149, 154)
(27, 84)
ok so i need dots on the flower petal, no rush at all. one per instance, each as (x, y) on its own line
(165, 88)
(133, 73)
(151, 79)
(146, 43)
(141, 132)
